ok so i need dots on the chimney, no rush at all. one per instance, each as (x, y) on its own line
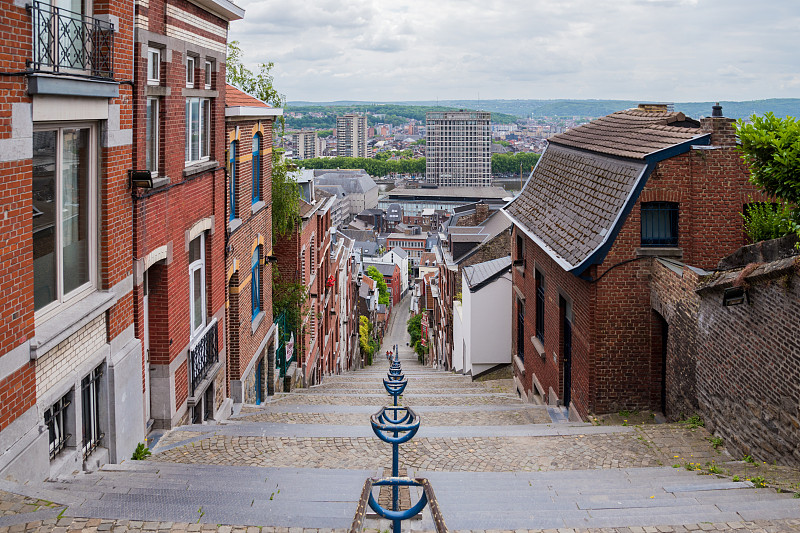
(720, 128)
(654, 108)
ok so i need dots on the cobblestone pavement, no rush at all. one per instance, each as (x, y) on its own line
(498, 454)
(14, 504)
(494, 462)
(452, 418)
(74, 525)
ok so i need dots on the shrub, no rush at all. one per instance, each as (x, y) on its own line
(764, 221)
(141, 452)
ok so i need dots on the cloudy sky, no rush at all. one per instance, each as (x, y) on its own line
(383, 50)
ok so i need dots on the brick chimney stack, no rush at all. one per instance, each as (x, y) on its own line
(720, 128)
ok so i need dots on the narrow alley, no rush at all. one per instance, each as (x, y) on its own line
(300, 459)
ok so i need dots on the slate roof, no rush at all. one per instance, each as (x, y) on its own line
(588, 179)
(387, 269)
(633, 133)
(351, 182)
(479, 275)
(572, 200)
(402, 254)
(359, 235)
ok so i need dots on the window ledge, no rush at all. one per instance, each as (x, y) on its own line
(69, 320)
(203, 93)
(537, 344)
(257, 322)
(197, 168)
(258, 206)
(659, 251)
(520, 364)
(200, 390)
(157, 90)
(160, 181)
(234, 224)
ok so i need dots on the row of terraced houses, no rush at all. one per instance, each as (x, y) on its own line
(137, 256)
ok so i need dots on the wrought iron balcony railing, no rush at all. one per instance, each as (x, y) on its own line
(203, 354)
(67, 42)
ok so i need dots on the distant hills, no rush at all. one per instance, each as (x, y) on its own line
(781, 107)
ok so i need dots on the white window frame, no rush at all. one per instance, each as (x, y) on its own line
(90, 286)
(157, 110)
(190, 67)
(204, 129)
(153, 77)
(207, 74)
(198, 264)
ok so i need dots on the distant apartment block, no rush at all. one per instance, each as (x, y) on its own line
(458, 146)
(351, 136)
(306, 144)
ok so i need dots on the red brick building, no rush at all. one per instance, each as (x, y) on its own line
(391, 275)
(180, 224)
(251, 332)
(70, 366)
(304, 257)
(604, 200)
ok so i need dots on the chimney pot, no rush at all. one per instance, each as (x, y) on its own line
(716, 110)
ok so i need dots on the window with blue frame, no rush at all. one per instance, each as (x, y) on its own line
(255, 282)
(256, 167)
(660, 224)
(232, 178)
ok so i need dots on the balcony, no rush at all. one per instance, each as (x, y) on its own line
(203, 354)
(70, 44)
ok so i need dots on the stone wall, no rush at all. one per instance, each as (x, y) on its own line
(748, 361)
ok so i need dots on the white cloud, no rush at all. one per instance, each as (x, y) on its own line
(417, 49)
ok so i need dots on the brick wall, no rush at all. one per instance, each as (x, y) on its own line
(69, 354)
(748, 365)
(549, 369)
(256, 228)
(17, 394)
(674, 301)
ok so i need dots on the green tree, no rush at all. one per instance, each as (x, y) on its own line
(770, 146)
(288, 297)
(285, 197)
(414, 328)
(383, 289)
(258, 84)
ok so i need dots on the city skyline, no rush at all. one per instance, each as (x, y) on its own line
(669, 50)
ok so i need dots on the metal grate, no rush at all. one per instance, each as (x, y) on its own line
(660, 224)
(90, 399)
(55, 418)
(203, 355)
(71, 43)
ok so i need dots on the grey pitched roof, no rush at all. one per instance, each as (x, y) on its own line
(336, 190)
(351, 182)
(366, 247)
(400, 252)
(572, 201)
(481, 274)
(387, 269)
(359, 235)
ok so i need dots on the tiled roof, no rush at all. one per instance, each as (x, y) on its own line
(480, 274)
(572, 200)
(633, 133)
(236, 98)
(427, 256)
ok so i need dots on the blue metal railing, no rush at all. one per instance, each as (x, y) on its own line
(396, 425)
